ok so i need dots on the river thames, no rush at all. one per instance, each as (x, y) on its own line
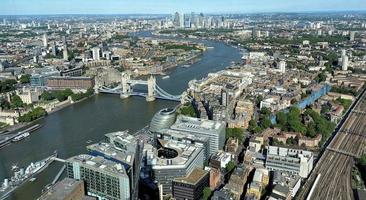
(71, 129)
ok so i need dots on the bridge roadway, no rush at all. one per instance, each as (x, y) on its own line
(335, 165)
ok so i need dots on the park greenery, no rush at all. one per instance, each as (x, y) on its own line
(81, 95)
(346, 103)
(16, 102)
(187, 110)
(236, 133)
(36, 113)
(61, 95)
(7, 85)
(25, 79)
(4, 104)
(292, 121)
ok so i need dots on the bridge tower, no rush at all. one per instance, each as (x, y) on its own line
(126, 88)
(151, 83)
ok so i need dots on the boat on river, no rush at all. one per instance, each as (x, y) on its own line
(23, 175)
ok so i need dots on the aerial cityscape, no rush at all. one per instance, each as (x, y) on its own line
(182, 100)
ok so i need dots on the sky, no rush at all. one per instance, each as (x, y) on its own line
(35, 7)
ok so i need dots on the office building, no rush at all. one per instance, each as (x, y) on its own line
(282, 66)
(344, 62)
(172, 159)
(45, 40)
(352, 36)
(191, 186)
(54, 49)
(214, 130)
(104, 179)
(293, 161)
(125, 149)
(96, 53)
(67, 189)
(184, 138)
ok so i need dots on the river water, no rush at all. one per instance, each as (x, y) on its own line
(69, 129)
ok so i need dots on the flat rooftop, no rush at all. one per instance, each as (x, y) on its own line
(114, 152)
(99, 163)
(194, 177)
(62, 189)
(196, 124)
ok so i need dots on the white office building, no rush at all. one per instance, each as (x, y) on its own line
(293, 161)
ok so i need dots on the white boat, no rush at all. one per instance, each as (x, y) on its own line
(165, 77)
(186, 66)
(32, 179)
(20, 137)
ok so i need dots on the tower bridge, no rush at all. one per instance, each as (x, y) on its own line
(125, 89)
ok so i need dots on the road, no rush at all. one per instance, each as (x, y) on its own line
(335, 165)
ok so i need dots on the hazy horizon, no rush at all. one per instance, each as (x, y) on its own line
(125, 7)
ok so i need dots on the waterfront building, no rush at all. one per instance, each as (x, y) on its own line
(74, 83)
(29, 95)
(191, 186)
(40, 79)
(67, 189)
(163, 119)
(214, 130)
(125, 149)
(104, 179)
(293, 161)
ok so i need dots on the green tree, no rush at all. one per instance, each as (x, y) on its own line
(47, 96)
(235, 133)
(36, 113)
(206, 193)
(4, 104)
(362, 160)
(294, 120)
(16, 102)
(265, 122)
(25, 78)
(230, 166)
(281, 119)
(188, 110)
(7, 85)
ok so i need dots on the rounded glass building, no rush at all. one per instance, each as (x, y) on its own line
(163, 119)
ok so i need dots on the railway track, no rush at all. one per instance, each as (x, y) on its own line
(335, 165)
